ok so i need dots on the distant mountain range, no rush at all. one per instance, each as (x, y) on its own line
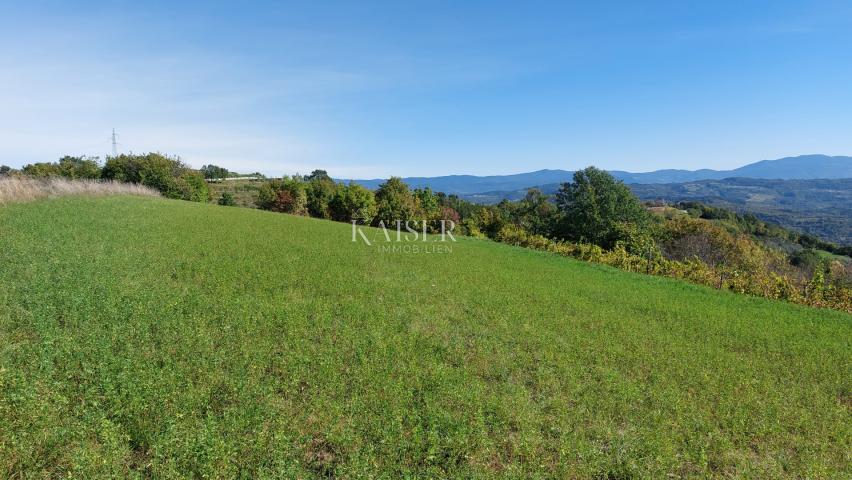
(807, 193)
(800, 168)
(819, 207)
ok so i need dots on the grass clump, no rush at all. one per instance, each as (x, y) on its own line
(26, 189)
(138, 341)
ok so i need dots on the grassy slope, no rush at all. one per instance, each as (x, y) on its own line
(161, 337)
(245, 192)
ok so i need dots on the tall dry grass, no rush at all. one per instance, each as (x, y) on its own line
(26, 189)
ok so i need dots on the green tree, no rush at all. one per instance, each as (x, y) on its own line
(428, 203)
(42, 170)
(395, 202)
(81, 167)
(320, 190)
(352, 202)
(211, 172)
(537, 214)
(599, 209)
(319, 175)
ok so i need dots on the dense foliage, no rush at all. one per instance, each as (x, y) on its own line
(73, 168)
(287, 195)
(171, 177)
(320, 191)
(352, 203)
(597, 208)
(319, 196)
(214, 172)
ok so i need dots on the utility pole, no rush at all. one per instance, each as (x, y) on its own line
(114, 144)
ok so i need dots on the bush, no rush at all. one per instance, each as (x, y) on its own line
(190, 185)
(287, 195)
(74, 168)
(169, 175)
(395, 202)
(320, 190)
(807, 259)
(352, 202)
(227, 199)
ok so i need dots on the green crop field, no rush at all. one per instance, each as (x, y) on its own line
(145, 337)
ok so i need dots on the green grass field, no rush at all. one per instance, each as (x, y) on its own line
(154, 338)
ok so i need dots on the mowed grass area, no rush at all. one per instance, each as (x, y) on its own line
(155, 338)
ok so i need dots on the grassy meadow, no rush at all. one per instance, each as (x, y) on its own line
(153, 338)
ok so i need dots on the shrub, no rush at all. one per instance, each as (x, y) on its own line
(449, 214)
(68, 167)
(227, 199)
(394, 201)
(352, 202)
(687, 238)
(168, 175)
(489, 221)
(191, 186)
(287, 195)
(807, 259)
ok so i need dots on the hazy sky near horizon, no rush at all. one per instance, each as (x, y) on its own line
(372, 89)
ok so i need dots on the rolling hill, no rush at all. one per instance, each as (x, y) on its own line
(143, 337)
(801, 167)
(818, 207)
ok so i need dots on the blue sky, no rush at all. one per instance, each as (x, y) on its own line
(371, 89)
